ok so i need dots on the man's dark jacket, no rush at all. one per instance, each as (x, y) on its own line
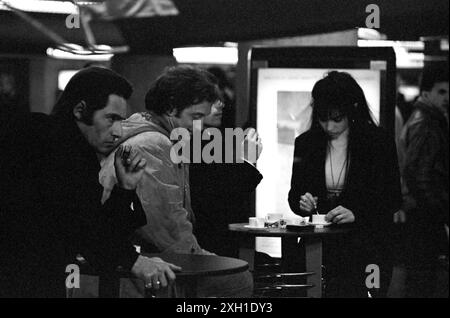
(51, 209)
(424, 161)
(221, 194)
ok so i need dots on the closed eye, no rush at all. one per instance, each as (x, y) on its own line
(114, 117)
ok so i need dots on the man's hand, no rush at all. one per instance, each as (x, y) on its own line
(252, 146)
(129, 166)
(154, 272)
(340, 215)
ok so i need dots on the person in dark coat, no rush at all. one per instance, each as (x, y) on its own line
(346, 167)
(51, 208)
(424, 160)
(221, 193)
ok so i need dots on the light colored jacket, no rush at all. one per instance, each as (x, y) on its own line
(164, 188)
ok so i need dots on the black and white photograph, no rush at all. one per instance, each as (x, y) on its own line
(224, 156)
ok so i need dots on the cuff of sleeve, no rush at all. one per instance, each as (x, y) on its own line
(123, 194)
(128, 259)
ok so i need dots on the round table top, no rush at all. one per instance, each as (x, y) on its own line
(203, 265)
(308, 231)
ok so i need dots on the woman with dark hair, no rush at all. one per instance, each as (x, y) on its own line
(346, 167)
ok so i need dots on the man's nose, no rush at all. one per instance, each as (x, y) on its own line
(117, 130)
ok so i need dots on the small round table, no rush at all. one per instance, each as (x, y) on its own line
(312, 237)
(194, 267)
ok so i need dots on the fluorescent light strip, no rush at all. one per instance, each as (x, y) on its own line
(404, 59)
(56, 7)
(60, 54)
(206, 55)
(412, 45)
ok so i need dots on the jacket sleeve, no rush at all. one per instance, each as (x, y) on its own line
(100, 231)
(420, 173)
(298, 174)
(163, 192)
(381, 197)
(231, 179)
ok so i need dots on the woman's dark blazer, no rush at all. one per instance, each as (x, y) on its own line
(372, 191)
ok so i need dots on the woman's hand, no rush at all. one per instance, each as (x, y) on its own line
(308, 202)
(340, 215)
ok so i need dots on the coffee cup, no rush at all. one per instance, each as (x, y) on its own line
(319, 219)
(256, 222)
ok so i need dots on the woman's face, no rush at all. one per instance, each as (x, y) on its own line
(334, 124)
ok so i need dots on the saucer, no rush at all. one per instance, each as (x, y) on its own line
(320, 224)
(254, 227)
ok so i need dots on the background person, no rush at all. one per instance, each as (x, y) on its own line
(424, 156)
(221, 192)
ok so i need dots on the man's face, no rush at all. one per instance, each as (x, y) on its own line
(214, 119)
(106, 125)
(438, 96)
(188, 115)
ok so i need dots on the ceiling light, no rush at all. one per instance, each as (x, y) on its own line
(61, 54)
(56, 7)
(206, 55)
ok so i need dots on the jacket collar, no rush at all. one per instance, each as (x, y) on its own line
(144, 122)
(429, 109)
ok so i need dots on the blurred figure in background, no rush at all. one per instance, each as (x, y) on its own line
(11, 101)
(424, 160)
(221, 192)
(227, 96)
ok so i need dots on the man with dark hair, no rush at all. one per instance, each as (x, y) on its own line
(53, 209)
(424, 156)
(178, 97)
(220, 191)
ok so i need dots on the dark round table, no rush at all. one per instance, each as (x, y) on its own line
(312, 237)
(194, 267)
(203, 265)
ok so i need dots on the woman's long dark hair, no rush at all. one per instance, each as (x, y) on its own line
(338, 92)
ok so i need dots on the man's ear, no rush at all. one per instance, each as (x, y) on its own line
(425, 95)
(171, 113)
(79, 110)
